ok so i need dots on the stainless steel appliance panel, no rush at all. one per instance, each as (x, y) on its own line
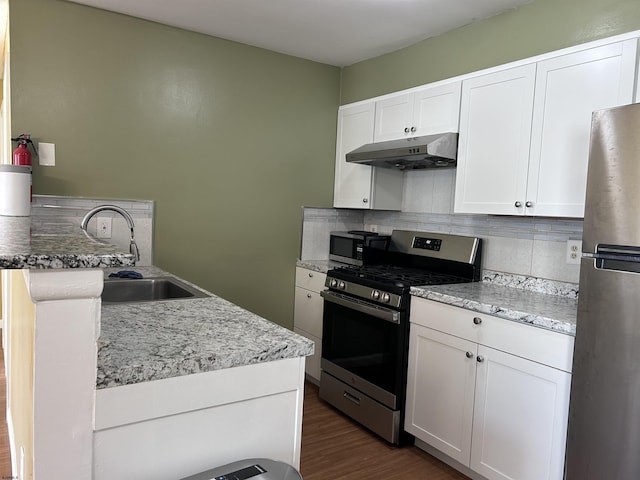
(603, 438)
(604, 415)
(613, 179)
(373, 415)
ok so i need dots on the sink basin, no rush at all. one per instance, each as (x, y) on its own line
(151, 289)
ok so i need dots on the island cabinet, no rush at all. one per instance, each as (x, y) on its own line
(425, 111)
(174, 427)
(362, 186)
(307, 317)
(524, 131)
(490, 394)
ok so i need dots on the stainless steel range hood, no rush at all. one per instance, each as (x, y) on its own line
(429, 151)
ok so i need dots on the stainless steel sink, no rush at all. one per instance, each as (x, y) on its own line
(151, 289)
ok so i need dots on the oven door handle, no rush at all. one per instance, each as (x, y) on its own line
(379, 312)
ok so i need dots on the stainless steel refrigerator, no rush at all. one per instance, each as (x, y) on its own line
(603, 440)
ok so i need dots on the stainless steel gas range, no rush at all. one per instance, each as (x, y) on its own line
(365, 335)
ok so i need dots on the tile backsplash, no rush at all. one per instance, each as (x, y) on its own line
(527, 246)
(68, 212)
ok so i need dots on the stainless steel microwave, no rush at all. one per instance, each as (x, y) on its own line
(348, 247)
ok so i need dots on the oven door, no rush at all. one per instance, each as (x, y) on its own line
(364, 346)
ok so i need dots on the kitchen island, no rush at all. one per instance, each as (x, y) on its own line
(161, 390)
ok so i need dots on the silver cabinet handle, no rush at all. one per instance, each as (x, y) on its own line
(477, 320)
(406, 129)
(365, 200)
(469, 354)
(518, 204)
(413, 129)
(310, 275)
(528, 204)
(479, 359)
(308, 295)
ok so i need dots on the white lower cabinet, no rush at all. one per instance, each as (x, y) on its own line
(307, 316)
(479, 391)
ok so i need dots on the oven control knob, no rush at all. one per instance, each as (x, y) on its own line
(386, 298)
(342, 285)
(333, 283)
(375, 295)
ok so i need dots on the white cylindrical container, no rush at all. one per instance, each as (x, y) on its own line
(15, 190)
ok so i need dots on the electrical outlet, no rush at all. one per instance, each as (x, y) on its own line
(574, 251)
(104, 227)
(373, 228)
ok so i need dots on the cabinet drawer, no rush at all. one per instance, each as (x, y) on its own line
(310, 279)
(445, 318)
(537, 344)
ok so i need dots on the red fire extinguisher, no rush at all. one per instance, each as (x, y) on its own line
(22, 155)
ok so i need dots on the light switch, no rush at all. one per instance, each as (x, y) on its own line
(47, 154)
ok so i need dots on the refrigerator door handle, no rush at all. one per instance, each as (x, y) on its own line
(618, 250)
(621, 258)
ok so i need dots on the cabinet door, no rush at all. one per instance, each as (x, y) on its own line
(308, 308)
(307, 321)
(436, 109)
(393, 118)
(352, 187)
(520, 418)
(493, 147)
(312, 362)
(427, 111)
(568, 89)
(440, 386)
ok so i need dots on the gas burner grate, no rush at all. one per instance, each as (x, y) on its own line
(401, 276)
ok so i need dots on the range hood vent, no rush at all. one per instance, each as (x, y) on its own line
(429, 151)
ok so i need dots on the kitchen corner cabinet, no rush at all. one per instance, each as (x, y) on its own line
(362, 186)
(307, 316)
(422, 112)
(491, 394)
(524, 131)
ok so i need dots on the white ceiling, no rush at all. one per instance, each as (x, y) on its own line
(336, 32)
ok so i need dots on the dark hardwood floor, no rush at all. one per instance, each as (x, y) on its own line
(334, 447)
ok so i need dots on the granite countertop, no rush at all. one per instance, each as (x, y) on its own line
(553, 312)
(147, 341)
(542, 303)
(27, 244)
(322, 266)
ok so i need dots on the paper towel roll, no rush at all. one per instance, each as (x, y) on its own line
(15, 191)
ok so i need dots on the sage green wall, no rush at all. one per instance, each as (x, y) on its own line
(539, 27)
(229, 140)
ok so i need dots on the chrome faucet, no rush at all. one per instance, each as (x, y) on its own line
(133, 248)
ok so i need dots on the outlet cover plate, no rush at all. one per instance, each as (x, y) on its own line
(47, 154)
(574, 251)
(103, 227)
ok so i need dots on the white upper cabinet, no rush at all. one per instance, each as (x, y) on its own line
(493, 146)
(524, 131)
(362, 186)
(422, 112)
(568, 89)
